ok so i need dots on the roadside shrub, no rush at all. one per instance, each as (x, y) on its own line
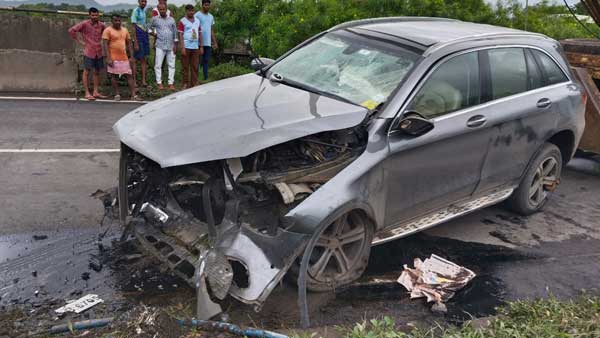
(226, 70)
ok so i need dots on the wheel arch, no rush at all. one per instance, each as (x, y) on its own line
(565, 141)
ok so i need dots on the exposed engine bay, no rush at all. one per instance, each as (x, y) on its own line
(223, 223)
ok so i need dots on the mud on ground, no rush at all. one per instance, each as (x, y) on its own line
(42, 270)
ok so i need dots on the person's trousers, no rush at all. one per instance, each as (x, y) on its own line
(205, 58)
(190, 62)
(158, 61)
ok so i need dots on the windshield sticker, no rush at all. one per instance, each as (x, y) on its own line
(369, 104)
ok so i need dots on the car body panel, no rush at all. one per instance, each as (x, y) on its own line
(229, 119)
(396, 178)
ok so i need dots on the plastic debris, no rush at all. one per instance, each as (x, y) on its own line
(435, 278)
(80, 304)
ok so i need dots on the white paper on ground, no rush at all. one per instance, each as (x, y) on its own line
(80, 304)
(435, 278)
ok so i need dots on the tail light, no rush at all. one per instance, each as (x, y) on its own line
(584, 97)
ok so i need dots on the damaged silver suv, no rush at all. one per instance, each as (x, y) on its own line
(365, 133)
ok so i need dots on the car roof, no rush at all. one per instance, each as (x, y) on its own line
(428, 32)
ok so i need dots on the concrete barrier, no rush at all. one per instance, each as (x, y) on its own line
(37, 54)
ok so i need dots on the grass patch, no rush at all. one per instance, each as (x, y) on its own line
(532, 319)
(221, 71)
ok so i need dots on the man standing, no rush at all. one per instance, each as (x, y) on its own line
(141, 43)
(155, 9)
(191, 46)
(165, 42)
(91, 39)
(116, 41)
(209, 42)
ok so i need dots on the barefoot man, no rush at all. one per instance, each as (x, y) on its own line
(90, 37)
(115, 43)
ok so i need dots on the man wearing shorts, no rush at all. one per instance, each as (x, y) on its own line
(116, 41)
(90, 37)
(141, 43)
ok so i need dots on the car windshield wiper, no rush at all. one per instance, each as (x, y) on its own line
(278, 78)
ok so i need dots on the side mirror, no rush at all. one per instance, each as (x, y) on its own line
(260, 63)
(414, 125)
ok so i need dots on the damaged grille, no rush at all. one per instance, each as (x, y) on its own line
(232, 210)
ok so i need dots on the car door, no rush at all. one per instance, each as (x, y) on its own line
(525, 98)
(443, 166)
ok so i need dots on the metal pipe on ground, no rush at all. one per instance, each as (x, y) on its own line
(230, 328)
(82, 325)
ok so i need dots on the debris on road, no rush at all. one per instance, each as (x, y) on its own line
(435, 278)
(80, 304)
(39, 237)
(230, 328)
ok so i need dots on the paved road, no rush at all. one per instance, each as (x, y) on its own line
(48, 191)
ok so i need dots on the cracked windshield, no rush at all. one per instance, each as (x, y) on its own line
(347, 65)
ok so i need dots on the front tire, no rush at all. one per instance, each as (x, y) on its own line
(540, 180)
(341, 253)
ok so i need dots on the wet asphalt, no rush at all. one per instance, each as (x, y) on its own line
(50, 250)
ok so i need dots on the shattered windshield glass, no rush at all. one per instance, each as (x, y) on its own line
(350, 66)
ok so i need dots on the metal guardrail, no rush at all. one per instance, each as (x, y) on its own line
(45, 11)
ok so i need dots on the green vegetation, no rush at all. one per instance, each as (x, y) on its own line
(522, 319)
(273, 27)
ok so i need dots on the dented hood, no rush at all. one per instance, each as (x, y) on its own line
(230, 118)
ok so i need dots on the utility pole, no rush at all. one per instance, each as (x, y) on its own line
(526, 13)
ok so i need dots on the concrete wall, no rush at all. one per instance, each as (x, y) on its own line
(37, 54)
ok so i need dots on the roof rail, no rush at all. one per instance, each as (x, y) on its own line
(355, 23)
(482, 36)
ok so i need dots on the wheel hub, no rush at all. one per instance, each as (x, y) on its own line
(545, 180)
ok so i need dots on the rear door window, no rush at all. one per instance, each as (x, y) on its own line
(454, 85)
(508, 72)
(552, 71)
(534, 75)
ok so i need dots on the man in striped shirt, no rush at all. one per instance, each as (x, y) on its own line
(165, 43)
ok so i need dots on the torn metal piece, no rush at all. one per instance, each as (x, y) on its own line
(435, 278)
(265, 258)
(80, 304)
(219, 274)
(205, 307)
(290, 192)
(154, 212)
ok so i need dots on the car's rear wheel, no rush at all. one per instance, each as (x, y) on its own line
(341, 253)
(540, 180)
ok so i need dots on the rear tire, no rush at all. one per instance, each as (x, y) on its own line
(540, 180)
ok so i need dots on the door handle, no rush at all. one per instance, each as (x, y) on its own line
(543, 103)
(476, 121)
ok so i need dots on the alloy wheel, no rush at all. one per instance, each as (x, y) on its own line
(338, 250)
(544, 180)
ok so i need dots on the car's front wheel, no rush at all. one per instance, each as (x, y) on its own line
(341, 253)
(541, 178)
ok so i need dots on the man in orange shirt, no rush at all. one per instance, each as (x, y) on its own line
(115, 43)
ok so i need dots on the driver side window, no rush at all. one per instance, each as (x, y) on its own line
(452, 86)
